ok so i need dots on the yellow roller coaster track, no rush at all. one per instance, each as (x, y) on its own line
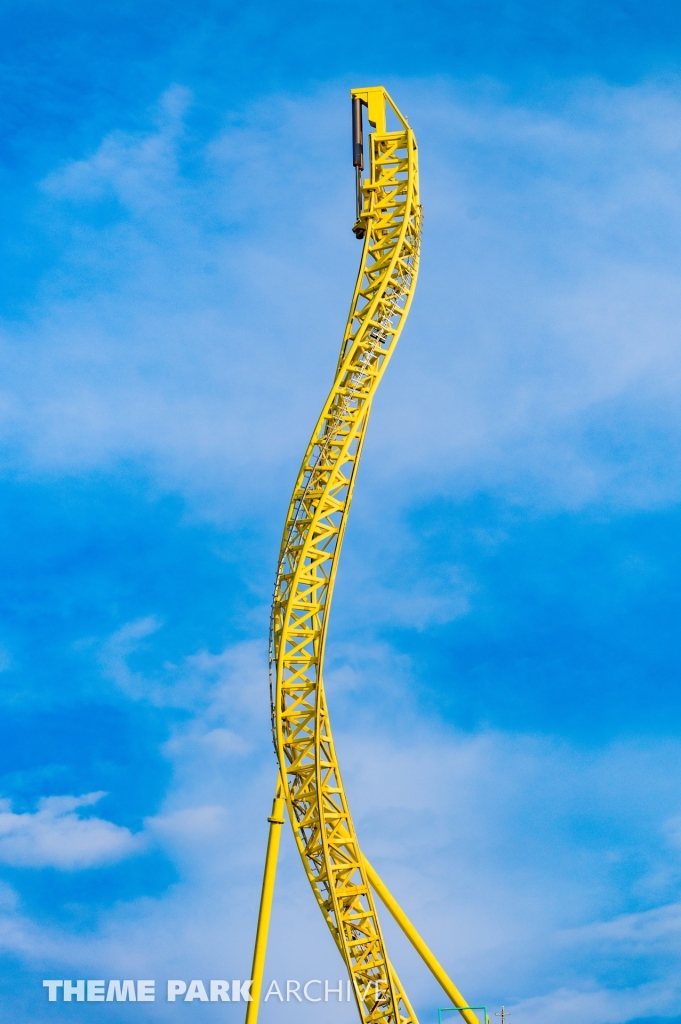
(309, 784)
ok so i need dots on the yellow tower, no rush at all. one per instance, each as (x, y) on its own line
(309, 786)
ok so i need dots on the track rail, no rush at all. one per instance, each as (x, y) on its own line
(389, 219)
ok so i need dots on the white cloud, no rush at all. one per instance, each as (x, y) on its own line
(117, 649)
(544, 332)
(541, 347)
(140, 171)
(228, 687)
(508, 852)
(56, 836)
(632, 934)
(191, 825)
(546, 313)
(514, 854)
(602, 1005)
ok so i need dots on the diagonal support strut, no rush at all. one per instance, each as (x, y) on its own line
(428, 957)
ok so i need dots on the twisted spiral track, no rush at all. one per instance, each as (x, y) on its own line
(317, 805)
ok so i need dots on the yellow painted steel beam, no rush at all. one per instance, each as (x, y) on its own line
(419, 945)
(276, 820)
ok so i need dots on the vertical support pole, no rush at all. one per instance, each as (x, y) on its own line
(276, 820)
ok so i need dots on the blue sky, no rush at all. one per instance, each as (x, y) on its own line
(178, 263)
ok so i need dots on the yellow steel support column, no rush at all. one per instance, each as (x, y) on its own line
(417, 942)
(276, 820)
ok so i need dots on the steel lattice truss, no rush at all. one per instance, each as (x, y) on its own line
(316, 800)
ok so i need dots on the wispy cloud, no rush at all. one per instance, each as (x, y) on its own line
(57, 836)
(657, 999)
(508, 852)
(544, 323)
(190, 331)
